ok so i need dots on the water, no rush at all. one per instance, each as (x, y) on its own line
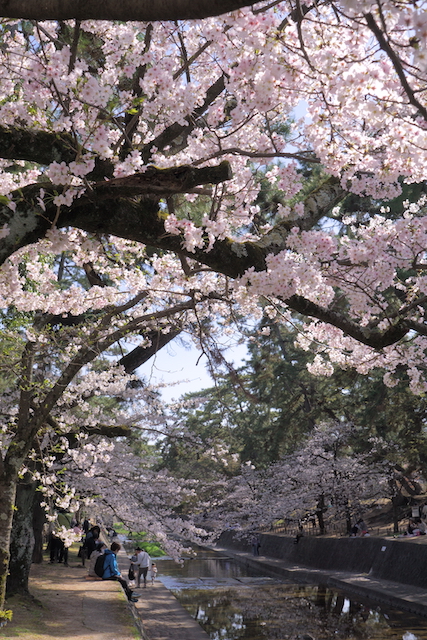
(233, 602)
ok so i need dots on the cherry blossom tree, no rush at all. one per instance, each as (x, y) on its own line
(139, 149)
(324, 475)
(94, 103)
(129, 488)
(53, 373)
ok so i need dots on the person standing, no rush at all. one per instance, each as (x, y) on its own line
(143, 562)
(153, 572)
(256, 544)
(90, 541)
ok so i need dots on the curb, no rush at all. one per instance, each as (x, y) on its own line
(308, 575)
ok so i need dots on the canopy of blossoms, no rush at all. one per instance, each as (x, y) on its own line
(132, 158)
(87, 106)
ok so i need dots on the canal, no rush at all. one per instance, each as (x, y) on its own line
(234, 602)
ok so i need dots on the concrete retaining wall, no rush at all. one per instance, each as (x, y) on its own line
(400, 560)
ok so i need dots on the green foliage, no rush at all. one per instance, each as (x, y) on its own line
(270, 406)
(140, 539)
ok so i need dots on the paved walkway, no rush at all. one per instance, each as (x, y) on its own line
(159, 614)
(88, 610)
(163, 618)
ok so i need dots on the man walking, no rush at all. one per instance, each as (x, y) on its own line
(143, 562)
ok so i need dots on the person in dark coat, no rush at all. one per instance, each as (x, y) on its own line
(89, 545)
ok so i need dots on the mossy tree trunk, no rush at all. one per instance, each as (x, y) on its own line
(7, 503)
(22, 538)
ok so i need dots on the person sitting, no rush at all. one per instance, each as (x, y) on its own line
(410, 529)
(418, 527)
(98, 551)
(111, 570)
(362, 529)
(422, 526)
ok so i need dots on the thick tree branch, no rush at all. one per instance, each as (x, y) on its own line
(125, 10)
(372, 337)
(44, 147)
(28, 223)
(138, 356)
(141, 220)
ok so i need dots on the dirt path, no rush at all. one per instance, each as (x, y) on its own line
(66, 605)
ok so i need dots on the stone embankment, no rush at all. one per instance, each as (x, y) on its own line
(390, 571)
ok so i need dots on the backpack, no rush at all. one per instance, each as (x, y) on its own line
(99, 565)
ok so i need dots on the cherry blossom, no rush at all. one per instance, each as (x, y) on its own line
(108, 235)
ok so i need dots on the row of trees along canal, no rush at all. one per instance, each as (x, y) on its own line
(149, 189)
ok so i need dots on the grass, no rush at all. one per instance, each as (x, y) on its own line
(140, 539)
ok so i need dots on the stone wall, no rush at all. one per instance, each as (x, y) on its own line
(399, 560)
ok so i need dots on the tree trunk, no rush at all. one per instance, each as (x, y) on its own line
(22, 538)
(348, 519)
(7, 504)
(395, 503)
(39, 519)
(319, 513)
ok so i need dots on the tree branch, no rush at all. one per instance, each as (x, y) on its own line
(396, 62)
(45, 147)
(125, 10)
(138, 356)
(28, 223)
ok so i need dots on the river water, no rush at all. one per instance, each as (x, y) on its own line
(233, 602)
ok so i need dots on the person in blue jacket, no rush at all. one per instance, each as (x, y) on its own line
(111, 569)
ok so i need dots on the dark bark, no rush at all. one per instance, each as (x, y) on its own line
(395, 516)
(44, 147)
(125, 10)
(319, 513)
(39, 519)
(22, 538)
(7, 503)
(140, 355)
(116, 198)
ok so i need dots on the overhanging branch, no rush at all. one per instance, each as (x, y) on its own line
(125, 10)
(105, 207)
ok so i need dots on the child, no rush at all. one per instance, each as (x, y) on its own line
(153, 572)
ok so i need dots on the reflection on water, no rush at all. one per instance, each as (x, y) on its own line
(289, 611)
(204, 570)
(233, 602)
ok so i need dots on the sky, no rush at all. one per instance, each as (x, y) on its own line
(184, 368)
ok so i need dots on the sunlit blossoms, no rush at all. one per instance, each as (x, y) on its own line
(169, 178)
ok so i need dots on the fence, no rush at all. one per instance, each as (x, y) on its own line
(331, 529)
